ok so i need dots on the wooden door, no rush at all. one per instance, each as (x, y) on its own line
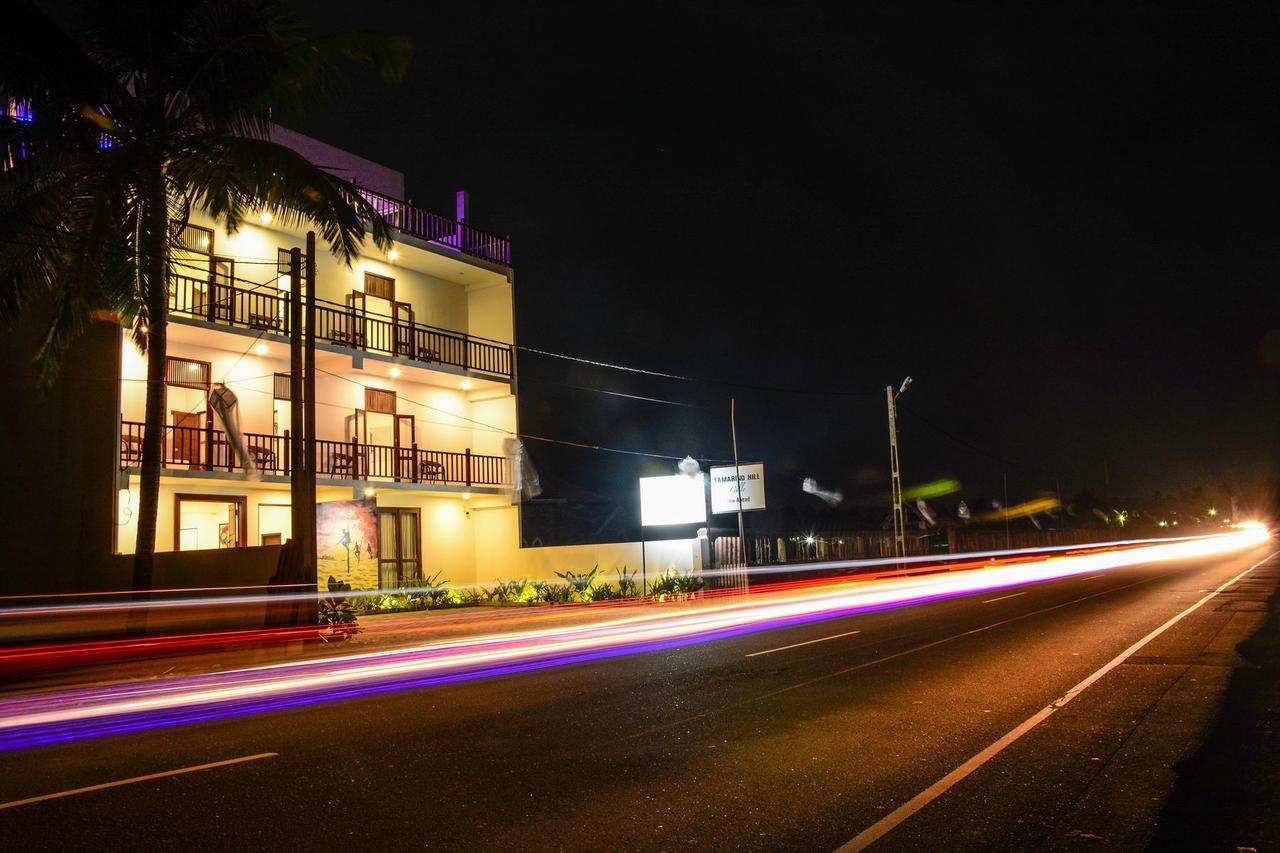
(402, 315)
(222, 301)
(405, 452)
(353, 333)
(187, 430)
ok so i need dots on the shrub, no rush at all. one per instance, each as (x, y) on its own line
(512, 592)
(337, 609)
(555, 593)
(673, 582)
(627, 585)
(602, 592)
(581, 583)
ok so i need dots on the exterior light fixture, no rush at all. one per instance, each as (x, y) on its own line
(260, 349)
(1212, 511)
(395, 373)
(265, 217)
(393, 255)
(466, 385)
(370, 491)
(466, 496)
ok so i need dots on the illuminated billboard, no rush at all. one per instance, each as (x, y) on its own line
(672, 500)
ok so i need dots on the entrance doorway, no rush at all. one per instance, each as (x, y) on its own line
(205, 522)
(399, 547)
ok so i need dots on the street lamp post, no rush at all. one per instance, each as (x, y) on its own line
(899, 517)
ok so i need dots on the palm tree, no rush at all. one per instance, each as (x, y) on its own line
(112, 136)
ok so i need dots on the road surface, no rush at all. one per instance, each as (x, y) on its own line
(805, 737)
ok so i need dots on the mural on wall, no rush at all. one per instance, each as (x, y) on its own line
(347, 543)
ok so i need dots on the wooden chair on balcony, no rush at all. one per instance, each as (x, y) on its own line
(349, 337)
(342, 463)
(131, 448)
(263, 457)
(432, 472)
(266, 322)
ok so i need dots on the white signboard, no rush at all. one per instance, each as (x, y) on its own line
(737, 487)
(673, 500)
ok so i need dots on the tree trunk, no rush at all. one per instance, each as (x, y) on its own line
(155, 248)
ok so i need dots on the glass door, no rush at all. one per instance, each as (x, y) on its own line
(405, 449)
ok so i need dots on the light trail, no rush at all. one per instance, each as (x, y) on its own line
(57, 716)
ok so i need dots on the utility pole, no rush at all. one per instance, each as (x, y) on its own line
(737, 477)
(1008, 538)
(895, 470)
(308, 506)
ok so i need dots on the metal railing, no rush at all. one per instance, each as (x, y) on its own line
(267, 309)
(203, 448)
(441, 230)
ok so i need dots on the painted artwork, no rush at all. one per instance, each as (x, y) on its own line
(347, 543)
(225, 539)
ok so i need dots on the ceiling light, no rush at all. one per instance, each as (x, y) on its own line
(260, 349)
(466, 385)
(370, 491)
(265, 217)
(467, 496)
(394, 254)
(395, 372)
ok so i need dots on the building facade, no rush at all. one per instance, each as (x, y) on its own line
(415, 386)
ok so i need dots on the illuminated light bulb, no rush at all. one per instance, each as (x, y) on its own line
(466, 385)
(265, 217)
(260, 349)
(393, 255)
(370, 491)
(395, 373)
(467, 496)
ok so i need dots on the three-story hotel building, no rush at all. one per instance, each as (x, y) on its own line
(415, 386)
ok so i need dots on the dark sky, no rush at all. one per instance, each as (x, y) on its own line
(1060, 221)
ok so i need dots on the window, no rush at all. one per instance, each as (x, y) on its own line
(378, 400)
(280, 389)
(197, 239)
(399, 547)
(186, 373)
(283, 263)
(202, 522)
(380, 286)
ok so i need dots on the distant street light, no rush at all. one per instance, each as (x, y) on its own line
(899, 518)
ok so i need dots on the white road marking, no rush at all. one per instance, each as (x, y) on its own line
(1003, 597)
(889, 822)
(146, 778)
(805, 643)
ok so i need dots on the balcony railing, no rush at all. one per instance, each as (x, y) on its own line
(441, 230)
(267, 309)
(203, 448)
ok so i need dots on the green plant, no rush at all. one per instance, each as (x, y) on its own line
(555, 593)
(337, 609)
(434, 592)
(511, 592)
(673, 582)
(472, 597)
(628, 587)
(602, 592)
(581, 583)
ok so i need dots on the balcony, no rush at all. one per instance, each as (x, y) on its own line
(266, 309)
(206, 449)
(440, 230)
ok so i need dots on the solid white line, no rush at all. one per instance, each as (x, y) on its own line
(1003, 597)
(146, 778)
(805, 643)
(889, 822)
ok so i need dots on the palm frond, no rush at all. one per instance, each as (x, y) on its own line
(229, 176)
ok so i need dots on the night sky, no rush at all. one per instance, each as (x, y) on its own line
(1061, 222)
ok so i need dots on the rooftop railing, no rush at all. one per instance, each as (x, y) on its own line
(267, 309)
(440, 230)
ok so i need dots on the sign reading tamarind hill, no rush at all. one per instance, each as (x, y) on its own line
(737, 487)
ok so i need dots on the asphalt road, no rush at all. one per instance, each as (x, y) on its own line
(797, 738)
